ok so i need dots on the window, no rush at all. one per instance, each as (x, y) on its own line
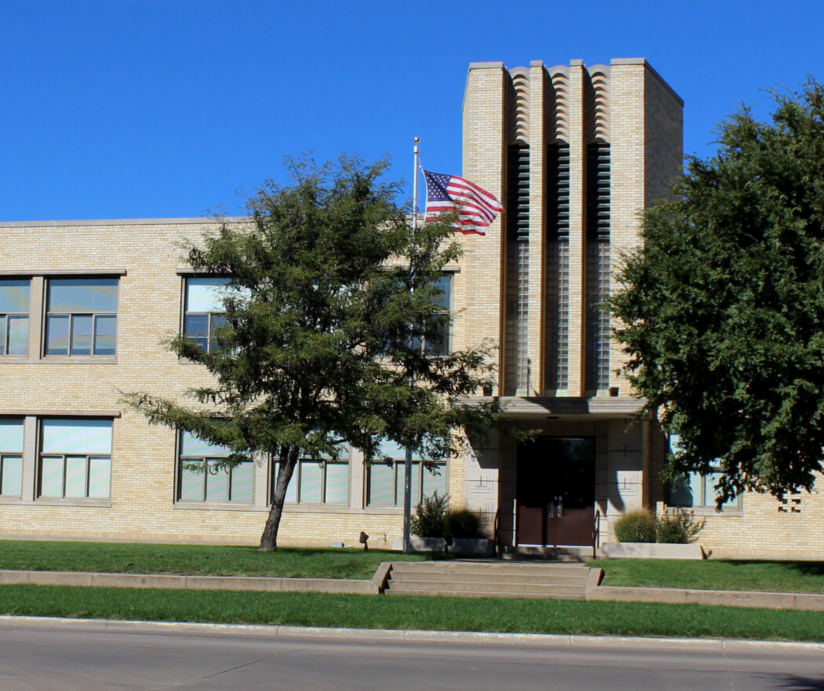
(201, 480)
(11, 457)
(75, 458)
(697, 490)
(439, 343)
(385, 483)
(203, 310)
(81, 316)
(14, 317)
(318, 481)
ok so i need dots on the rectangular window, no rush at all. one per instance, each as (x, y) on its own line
(697, 490)
(385, 483)
(81, 316)
(203, 310)
(438, 343)
(318, 481)
(11, 457)
(14, 317)
(75, 458)
(201, 478)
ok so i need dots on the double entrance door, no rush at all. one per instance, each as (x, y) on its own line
(556, 491)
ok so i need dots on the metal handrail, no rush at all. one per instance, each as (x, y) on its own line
(596, 533)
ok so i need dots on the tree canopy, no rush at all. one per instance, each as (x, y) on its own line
(723, 306)
(332, 308)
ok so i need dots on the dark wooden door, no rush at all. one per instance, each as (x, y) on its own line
(556, 491)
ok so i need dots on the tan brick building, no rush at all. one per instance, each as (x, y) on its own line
(574, 153)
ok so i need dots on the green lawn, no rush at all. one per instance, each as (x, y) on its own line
(203, 560)
(721, 574)
(432, 613)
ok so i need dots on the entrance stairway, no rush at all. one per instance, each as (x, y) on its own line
(488, 579)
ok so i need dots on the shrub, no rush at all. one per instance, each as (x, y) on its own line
(430, 517)
(635, 526)
(678, 527)
(463, 523)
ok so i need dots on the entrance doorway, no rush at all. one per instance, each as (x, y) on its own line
(556, 491)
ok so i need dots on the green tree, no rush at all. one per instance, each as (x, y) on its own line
(723, 306)
(332, 310)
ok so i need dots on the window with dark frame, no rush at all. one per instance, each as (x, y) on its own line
(697, 490)
(318, 481)
(11, 457)
(203, 310)
(14, 316)
(385, 483)
(81, 316)
(75, 458)
(201, 479)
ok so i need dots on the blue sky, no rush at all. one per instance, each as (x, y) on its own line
(168, 108)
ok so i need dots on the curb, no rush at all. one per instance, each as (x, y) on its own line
(239, 583)
(538, 639)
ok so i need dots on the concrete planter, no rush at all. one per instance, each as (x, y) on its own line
(651, 550)
(438, 544)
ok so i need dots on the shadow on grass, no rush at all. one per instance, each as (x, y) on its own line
(806, 568)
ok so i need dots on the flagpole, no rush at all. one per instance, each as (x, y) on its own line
(407, 466)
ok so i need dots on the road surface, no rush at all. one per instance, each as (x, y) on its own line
(55, 656)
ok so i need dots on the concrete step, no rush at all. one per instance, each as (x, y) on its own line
(460, 593)
(547, 590)
(509, 568)
(439, 576)
(488, 579)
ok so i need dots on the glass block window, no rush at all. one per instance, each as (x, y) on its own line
(11, 457)
(203, 310)
(200, 478)
(597, 266)
(75, 458)
(697, 490)
(557, 269)
(14, 316)
(81, 316)
(318, 481)
(516, 351)
(385, 483)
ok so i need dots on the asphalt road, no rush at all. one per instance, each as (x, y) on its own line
(47, 656)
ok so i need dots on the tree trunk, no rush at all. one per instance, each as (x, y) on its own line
(269, 539)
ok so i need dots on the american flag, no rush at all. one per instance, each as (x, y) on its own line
(476, 207)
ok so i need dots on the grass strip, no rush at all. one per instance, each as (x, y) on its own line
(430, 613)
(195, 560)
(715, 574)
